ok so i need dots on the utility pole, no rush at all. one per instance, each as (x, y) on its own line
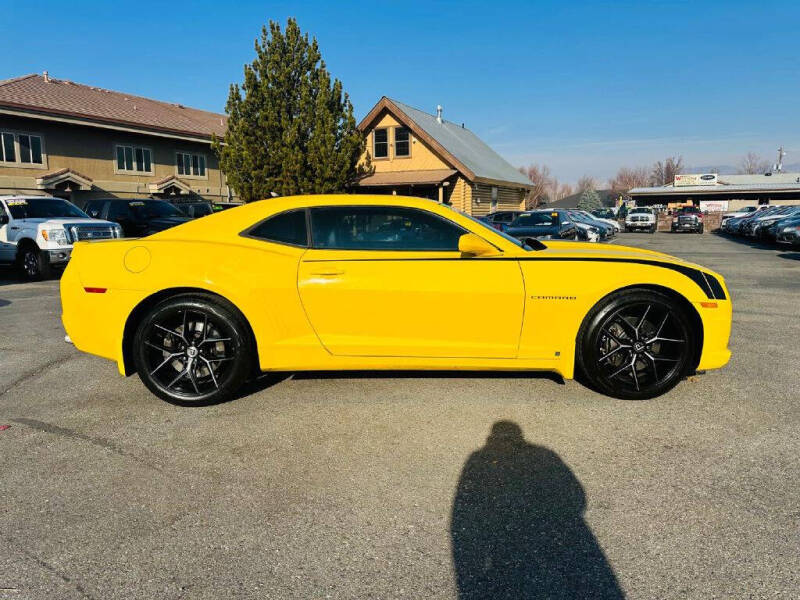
(779, 164)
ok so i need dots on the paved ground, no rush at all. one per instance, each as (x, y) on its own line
(387, 487)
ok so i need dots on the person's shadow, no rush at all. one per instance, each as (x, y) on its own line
(517, 526)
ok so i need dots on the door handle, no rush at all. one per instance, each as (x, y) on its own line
(14, 227)
(328, 272)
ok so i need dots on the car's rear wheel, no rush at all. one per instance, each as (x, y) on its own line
(193, 350)
(636, 344)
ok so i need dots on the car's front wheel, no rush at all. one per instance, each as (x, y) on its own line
(33, 263)
(193, 350)
(636, 344)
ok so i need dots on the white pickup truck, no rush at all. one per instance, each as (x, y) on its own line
(641, 218)
(37, 232)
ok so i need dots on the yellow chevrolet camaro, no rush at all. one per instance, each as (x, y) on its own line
(384, 282)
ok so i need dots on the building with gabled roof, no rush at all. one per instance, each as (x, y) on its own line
(420, 154)
(78, 142)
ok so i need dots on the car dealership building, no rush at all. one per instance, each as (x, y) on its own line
(714, 193)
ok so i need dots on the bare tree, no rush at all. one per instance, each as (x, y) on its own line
(558, 191)
(586, 182)
(628, 178)
(541, 179)
(753, 164)
(663, 173)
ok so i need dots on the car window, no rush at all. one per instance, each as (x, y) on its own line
(285, 228)
(641, 210)
(119, 210)
(382, 228)
(536, 219)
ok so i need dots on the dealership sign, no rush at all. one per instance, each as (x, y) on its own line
(696, 179)
(713, 205)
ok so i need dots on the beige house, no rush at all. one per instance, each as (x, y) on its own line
(79, 142)
(418, 154)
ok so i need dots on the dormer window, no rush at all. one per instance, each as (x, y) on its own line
(402, 141)
(380, 143)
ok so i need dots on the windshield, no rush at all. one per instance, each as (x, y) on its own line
(641, 210)
(502, 234)
(604, 214)
(152, 209)
(43, 208)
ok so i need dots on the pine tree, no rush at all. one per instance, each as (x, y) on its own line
(589, 200)
(290, 129)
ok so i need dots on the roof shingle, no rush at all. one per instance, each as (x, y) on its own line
(62, 97)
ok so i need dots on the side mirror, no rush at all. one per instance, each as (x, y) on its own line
(3, 218)
(470, 244)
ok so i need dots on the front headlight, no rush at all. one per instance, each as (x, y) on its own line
(117, 231)
(56, 236)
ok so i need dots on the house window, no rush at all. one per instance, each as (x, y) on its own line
(132, 159)
(21, 148)
(191, 164)
(381, 143)
(402, 141)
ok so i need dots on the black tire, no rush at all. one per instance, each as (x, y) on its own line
(636, 344)
(653, 229)
(33, 264)
(193, 350)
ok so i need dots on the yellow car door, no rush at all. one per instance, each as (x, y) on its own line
(390, 281)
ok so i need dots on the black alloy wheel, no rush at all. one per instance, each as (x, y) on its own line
(193, 350)
(636, 345)
(33, 264)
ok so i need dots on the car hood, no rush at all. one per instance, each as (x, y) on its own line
(56, 221)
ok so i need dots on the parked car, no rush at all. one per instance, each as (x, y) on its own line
(37, 232)
(385, 282)
(787, 231)
(137, 217)
(760, 226)
(748, 226)
(610, 228)
(605, 215)
(641, 218)
(743, 212)
(543, 224)
(588, 230)
(502, 218)
(687, 218)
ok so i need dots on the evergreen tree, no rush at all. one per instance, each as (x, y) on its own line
(290, 129)
(589, 200)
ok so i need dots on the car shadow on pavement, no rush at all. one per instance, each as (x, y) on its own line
(790, 255)
(517, 527)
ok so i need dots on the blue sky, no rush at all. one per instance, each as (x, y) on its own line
(584, 87)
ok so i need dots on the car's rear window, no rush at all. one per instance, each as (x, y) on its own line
(284, 228)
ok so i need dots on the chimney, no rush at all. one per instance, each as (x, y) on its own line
(439, 113)
(46, 76)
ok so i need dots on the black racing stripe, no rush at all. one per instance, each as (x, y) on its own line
(716, 286)
(709, 284)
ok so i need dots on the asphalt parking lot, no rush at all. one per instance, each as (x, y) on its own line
(391, 486)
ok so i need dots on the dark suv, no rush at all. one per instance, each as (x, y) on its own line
(688, 218)
(501, 219)
(137, 218)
